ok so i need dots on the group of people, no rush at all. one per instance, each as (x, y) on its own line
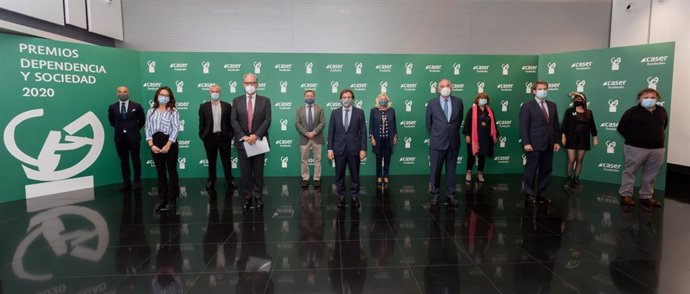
(248, 119)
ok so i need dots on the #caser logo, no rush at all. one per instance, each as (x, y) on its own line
(610, 167)
(584, 65)
(408, 124)
(57, 181)
(408, 160)
(654, 60)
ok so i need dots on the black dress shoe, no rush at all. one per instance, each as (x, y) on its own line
(136, 186)
(530, 200)
(259, 203)
(231, 183)
(160, 205)
(452, 202)
(543, 200)
(355, 203)
(247, 205)
(125, 187)
(650, 202)
(341, 202)
(210, 186)
(304, 184)
(317, 184)
(170, 207)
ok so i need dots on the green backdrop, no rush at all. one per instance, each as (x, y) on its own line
(82, 79)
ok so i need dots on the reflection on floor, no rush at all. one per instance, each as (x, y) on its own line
(103, 241)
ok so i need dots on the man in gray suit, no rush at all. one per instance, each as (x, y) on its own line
(444, 114)
(309, 121)
(539, 133)
(251, 117)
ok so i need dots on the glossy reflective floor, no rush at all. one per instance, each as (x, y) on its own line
(102, 241)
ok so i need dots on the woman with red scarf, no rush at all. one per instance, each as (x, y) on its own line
(480, 134)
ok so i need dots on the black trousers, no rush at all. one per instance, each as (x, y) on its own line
(438, 158)
(351, 161)
(480, 162)
(383, 156)
(127, 149)
(537, 172)
(166, 168)
(251, 174)
(213, 144)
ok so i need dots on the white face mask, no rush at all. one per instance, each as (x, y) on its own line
(250, 89)
(445, 91)
(541, 94)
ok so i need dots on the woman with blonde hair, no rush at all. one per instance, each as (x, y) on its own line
(383, 134)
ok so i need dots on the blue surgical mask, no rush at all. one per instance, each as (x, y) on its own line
(309, 100)
(383, 102)
(541, 94)
(346, 102)
(163, 99)
(482, 101)
(648, 102)
(215, 96)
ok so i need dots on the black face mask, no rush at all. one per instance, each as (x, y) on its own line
(579, 103)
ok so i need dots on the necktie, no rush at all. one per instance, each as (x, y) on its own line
(546, 114)
(310, 119)
(250, 113)
(347, 119)
(445, 109)
(123, 110)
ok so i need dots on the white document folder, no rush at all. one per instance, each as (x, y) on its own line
(259, 147)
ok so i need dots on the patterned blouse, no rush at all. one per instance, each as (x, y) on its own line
(167, 122)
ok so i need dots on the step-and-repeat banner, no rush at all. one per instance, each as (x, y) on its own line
(611, 79)
(57, 138)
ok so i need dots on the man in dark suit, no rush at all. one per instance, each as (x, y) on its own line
(539, 132)
(127, 118)
(215, 129)
(347, 144)
(251, 117)
(443, 117)
(309, 122)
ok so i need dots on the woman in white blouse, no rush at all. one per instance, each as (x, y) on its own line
(162, 128)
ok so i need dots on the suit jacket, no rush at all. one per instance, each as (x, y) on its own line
(206, 120)
(132, 123)
(301, 124)
(352, 140)
(534, 129)
(444, 134)
(375, 123)
(260, 121)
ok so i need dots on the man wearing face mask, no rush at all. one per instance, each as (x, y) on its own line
(309, 122)
(251, 117)
(347, 145)
(127, 119)
(443, 117)
(215, 129)
(643, 127)
(539, 132)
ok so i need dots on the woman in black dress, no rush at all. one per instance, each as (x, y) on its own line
(480, 134)
(578, 125)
